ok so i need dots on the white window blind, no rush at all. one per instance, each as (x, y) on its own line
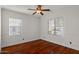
(15, 26)
(56, 26)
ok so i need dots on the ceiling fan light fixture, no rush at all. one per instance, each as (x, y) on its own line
(38, 11)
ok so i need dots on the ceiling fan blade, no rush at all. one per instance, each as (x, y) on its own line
(41, 13)
(31, 9)
(34, 13)
(45, 9)
(39, 6)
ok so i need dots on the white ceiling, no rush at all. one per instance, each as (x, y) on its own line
(24, 8)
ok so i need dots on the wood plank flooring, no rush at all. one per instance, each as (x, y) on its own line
(39, 47)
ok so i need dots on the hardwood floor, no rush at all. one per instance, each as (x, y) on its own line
(39, 47)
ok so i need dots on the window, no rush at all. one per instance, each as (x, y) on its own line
(56, 26)
(14, 26)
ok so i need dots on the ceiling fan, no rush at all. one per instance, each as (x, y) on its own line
(39, 10)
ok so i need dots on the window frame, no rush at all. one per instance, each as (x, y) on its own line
(18, 26)
(55, 30)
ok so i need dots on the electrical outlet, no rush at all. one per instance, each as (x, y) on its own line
(23, 39)
(70, 42)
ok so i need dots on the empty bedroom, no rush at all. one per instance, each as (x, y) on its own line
(39, 29)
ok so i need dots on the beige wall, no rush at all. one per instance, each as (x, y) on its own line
(71, 26)
(0, 28)
(29, 31)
